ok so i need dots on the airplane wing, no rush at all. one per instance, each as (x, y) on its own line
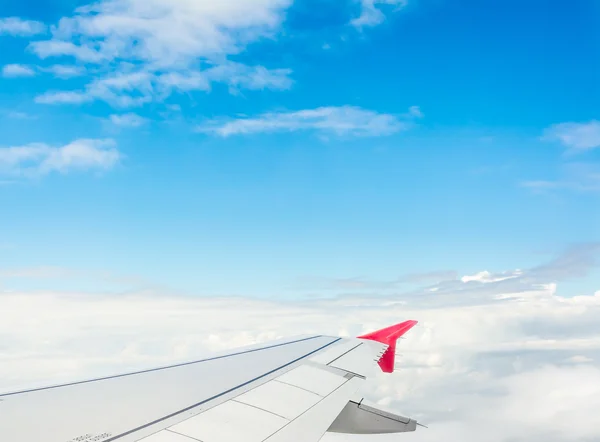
(287, 391)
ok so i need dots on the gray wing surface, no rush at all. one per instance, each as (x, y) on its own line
(290, 391)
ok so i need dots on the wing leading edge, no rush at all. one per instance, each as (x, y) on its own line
(292, 391)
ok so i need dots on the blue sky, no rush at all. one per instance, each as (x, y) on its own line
(247, 147)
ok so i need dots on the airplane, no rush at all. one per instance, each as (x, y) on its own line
(292, 390)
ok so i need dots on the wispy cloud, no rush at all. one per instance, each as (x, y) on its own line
(128, 120)
(342, 120)
(577, 137)
(65, 71)
(578, 177)
(62, 97)
(39, 159)
(125, 89)
(578, 260)
(444, 286)
(20, 115)
(17, 70)
(371, 13)
(362, 284)
(18, 27)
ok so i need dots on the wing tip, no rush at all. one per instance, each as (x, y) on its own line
(389, 336)
(391, 333)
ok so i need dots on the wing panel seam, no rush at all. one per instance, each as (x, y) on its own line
(180, 434)
(301, 388)
(307, 410)
(261, 409)
(345, 353)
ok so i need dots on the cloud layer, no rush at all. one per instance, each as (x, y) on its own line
(498, 357)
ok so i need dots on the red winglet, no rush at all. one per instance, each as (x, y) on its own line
(389, 336)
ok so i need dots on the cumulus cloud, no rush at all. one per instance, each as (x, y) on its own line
(371, 11)
(342, 120)
(17, 70)
(517, 363)
(128, 120)
(178, 45)
(19, 27)
(577, 137)
(39, 159)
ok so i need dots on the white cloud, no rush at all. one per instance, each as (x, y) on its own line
(18, 27)
(65, 71)
(38, 159)
(575, 136)
(343, 120)
(486, 276)
(59, 48)
(177, 45)
(188, 81)
(240, 76)
(371, 13)
(65, 97)
(17, 70)
(128, 120)
(129, 88)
